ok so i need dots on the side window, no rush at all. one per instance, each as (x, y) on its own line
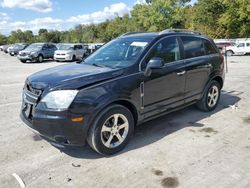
(241, 45)
(45, 47)
(209, 47)
(79, 47)
(167, 49)
(248, 44)
(193, 47)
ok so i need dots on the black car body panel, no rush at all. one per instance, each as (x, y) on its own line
(175, 85)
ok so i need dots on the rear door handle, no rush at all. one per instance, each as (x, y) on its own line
(181, 73)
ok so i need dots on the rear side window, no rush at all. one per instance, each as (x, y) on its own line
(248, 44)
(209, 47)
(167, 49)
(193, 47)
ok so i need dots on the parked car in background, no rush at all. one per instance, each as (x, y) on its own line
(91, 48)
(222, 45)
(1, 47)
(37, 52)
(10, 48)
(5, 48)
(242, 48)
(17, 47)
(130, 80)
(70, 52)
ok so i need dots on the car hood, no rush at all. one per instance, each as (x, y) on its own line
(71, 76)
(28, 51)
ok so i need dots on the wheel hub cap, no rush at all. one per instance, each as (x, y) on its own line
(213, 96)
(114, 131)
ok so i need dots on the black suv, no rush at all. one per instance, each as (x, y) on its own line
(132, 79)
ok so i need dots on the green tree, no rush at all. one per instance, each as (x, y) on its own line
(3, 39)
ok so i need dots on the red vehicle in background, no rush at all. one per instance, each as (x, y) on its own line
(221, 45)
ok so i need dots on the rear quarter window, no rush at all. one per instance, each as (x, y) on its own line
(209, 48)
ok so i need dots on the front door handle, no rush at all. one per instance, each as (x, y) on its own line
(181, 73)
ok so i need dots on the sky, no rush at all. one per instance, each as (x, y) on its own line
(58, 14)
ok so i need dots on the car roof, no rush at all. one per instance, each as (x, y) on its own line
(167, 32)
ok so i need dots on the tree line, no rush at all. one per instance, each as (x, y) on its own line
(215, 18)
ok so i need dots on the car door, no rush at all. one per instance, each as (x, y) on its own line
(197, 66)
(164, 88)
(51, 50)
(80, 51)
(45, 51)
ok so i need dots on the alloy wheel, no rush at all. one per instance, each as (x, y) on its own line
(213, 96)
(114, 131)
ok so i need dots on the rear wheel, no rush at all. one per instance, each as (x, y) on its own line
(23, 61)
(229, 53)
(211, 97)
(112, 130)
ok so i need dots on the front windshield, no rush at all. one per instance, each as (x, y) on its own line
(34, 47)
(18, 46)
(65, 47)
(119, 53)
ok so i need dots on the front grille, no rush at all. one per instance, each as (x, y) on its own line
(30, 100)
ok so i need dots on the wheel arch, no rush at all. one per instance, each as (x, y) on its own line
(219, 80)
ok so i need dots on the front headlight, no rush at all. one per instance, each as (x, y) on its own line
(34, 54)
(60, 99)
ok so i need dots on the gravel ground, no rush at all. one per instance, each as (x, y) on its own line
(188, 148)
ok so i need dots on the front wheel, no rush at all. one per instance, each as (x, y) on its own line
(210, 99)
(112, 130)
(40, 59)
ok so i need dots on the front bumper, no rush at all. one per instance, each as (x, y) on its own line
(66, 57)
(27, 58)
(56, 126)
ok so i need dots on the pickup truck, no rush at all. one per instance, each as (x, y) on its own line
(242, 48)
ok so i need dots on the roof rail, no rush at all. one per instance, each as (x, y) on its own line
(131, 33)
(179, 31)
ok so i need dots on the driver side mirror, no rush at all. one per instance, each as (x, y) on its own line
(153, 64)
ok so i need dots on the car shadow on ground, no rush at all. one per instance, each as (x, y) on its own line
(156, 129)
(44, 61)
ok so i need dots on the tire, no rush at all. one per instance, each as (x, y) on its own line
(211, 97)
(40, 58)
(23, 61)
(229, 53)
(103, 135)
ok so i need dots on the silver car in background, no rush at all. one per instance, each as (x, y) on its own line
(69, 52)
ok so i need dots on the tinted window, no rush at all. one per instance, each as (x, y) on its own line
(248, 44)
(193, 47)
(79, 46)
(209, 47)
(167, 49)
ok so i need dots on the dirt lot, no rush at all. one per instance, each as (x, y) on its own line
(187, 148)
